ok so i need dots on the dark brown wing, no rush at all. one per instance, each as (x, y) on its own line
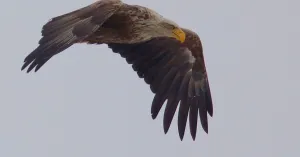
(63, 31)
(167, 67)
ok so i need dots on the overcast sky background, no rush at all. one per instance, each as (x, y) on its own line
(87, 101)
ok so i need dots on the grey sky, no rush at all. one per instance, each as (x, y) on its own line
(77, 105)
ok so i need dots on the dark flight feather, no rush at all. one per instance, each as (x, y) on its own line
(63, 31)
(167, 66)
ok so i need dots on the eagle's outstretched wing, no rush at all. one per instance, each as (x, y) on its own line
(167, 66)
(63, 31)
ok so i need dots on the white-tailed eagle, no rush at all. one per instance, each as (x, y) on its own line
(169, 58)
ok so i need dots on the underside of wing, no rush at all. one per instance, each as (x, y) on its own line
(167, 67)
(63, 31)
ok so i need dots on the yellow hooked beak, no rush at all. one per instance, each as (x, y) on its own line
(179, 34)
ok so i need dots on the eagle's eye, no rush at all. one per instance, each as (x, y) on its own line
(169, 26)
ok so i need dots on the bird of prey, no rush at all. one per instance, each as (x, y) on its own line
(168, 57)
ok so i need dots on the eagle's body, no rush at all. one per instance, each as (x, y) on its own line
(129, 24)
(169, 58)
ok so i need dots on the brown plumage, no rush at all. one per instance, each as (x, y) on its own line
(169, 58)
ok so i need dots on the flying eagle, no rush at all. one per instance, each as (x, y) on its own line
(169, 58)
